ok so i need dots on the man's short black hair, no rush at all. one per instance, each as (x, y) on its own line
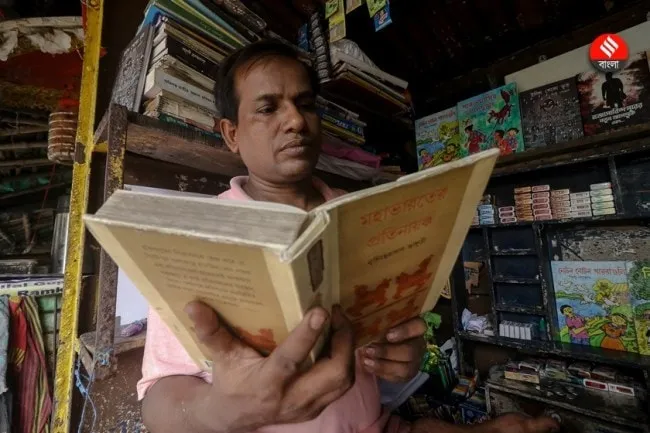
(225, 92)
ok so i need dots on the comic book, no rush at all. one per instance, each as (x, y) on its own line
(438, 139)
(614, 100)
(551, 114)
(638, 274)
(492, 119)
(594, 304)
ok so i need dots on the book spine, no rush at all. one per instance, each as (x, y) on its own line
(191, 58)
(188, 92)
(355, 129)
(172, 120)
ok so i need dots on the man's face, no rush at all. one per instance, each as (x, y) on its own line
(278, 131)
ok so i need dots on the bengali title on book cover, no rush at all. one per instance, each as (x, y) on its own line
(613, 100)
(492, 119)
(438, 139)
(594, 304)
(551, 114)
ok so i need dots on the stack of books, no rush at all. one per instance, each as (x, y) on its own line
(189, 40)
(339, 122)
(367, 84)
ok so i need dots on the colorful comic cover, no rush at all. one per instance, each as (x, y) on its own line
(613, 100)
(594, 305)
(551, 114)
(438, 139)
(638, 274)
(492, 119)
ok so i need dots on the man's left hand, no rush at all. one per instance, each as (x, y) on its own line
(397, 357)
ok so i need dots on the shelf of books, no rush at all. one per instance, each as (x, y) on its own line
(165, 81)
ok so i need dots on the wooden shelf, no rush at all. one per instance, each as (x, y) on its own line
(162, 141)
(520, 309)
(610, 407)
(514, 253)
(567, 221)
(624, 141)
(508, 280)
(564, 350)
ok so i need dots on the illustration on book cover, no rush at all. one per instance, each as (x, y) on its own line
(613, 100)
(378, 306)
(492, 120)
(594, 304)
(438, 139)
(638, 274)
(551, 114)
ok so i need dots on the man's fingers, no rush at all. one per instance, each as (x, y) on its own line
(541, 425)
(392, 371)
(410, 329)
(330, 377)
(288, 356)
(402, 352)
(209, 330)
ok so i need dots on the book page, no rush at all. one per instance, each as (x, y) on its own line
(171, 271)
(396, 249)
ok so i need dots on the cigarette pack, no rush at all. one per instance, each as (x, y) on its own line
(560, 192)
(603, 185)
(506, 215)
(541, 194)
(539, 200)
(602, 205)
(602, 198)
(601, 212)
(541, 188)
(601, 192)
(506, 209)
(575, 195)
(522, 189)
(508, 220)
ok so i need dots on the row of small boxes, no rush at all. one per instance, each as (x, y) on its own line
(599, 200)
(520, 331)
(484, 211)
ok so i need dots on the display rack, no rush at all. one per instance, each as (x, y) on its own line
(518, 255)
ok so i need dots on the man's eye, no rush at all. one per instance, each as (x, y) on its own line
(267, 109)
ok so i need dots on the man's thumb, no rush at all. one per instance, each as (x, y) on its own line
(209, 329)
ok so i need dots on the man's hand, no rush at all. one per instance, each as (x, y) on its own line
(398, 356)
(250, 391)
(511, 423)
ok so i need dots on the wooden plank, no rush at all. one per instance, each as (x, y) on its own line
(577, 152)
(23, 145)
(113, 180)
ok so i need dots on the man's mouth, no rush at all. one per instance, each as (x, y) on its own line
(296, 147)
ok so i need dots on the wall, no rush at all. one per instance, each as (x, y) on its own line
(574, 62)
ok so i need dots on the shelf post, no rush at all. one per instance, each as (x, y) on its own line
(65, 363)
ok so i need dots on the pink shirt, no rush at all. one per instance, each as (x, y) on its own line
(357, 411)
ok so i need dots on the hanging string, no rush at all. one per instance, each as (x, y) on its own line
(84, 389)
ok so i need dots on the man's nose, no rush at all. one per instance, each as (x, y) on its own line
(295, 120)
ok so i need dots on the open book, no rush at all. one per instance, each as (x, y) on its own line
(383, 253)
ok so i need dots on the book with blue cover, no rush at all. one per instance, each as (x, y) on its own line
(492, 120)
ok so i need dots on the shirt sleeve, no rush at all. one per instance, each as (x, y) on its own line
(164, 356)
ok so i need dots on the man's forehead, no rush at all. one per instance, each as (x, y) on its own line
(272, 76)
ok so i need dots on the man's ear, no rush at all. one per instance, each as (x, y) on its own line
(229, 134)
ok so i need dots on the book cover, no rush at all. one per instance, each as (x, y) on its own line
(614, 100)
(594, 304)
(438, 139)
(384, 253)
(491, 120)
(638, 274)
(551, 114)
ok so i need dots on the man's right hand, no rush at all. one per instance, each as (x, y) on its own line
(250, 391)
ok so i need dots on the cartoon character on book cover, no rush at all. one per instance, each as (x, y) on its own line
(594, 305)
(613, 100)
(492, 119)
(638, 274)
(551, 114)
(438, 139)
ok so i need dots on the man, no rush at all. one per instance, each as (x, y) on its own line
(612, 91)
(267, 101)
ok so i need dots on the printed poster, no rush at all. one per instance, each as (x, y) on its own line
(638, 274)
(438, 139)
